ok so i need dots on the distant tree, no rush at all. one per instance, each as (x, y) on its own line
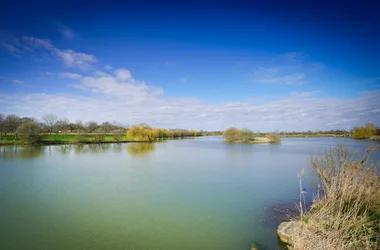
(2, 125)
(107, 127)
(12, 122)
(79, 126)
(29, 132)
(92, 126)
(62, 125)
(50, 121)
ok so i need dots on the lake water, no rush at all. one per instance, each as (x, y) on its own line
(179, 194)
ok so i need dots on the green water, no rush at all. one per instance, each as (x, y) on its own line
(180, 194)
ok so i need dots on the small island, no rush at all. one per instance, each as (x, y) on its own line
(246, 136)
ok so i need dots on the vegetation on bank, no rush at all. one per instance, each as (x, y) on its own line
(346, 211)
(234, 135)
(365, 132)
(51, 130)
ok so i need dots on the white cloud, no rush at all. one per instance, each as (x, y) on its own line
(122, 98)
(17, 81)
(72, 58)
(70, 75)
(123, 75)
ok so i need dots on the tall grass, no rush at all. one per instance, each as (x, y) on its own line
(346, 211)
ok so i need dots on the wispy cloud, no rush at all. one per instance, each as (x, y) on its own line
(108, 67)
(68, 57)
(183, 80)
(372, 80)
(70, 75)
(17, 81)
(287, 69)
(10, 47)
(66, 33)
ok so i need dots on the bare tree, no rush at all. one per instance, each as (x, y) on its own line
(50, 121)
(62, 125)
(2, 125)
(107, 127)
(11, 124)
(92, 126)
(79, 126)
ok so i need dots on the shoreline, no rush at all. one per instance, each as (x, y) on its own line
(52, 143)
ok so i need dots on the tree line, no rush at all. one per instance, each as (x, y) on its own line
(30, 129)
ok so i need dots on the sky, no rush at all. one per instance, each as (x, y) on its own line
(262, 65)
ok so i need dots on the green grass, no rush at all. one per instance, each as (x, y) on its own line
(81, 138)
(67, 139)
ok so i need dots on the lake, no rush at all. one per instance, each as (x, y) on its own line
(179, 194)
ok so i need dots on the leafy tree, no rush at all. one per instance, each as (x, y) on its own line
(141, 133)
(364, 132)
(29, 132)
(50, 121)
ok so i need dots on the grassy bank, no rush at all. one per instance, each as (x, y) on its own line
(49, 139)
(313, 135)
(346, 211)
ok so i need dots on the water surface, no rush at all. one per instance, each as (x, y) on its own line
(180, 194)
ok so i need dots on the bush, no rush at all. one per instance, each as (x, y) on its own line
(29, 132)
(117, 137)
(99, 138)
(275, 139)
(80, 138)
(232, 135)
(364, 132)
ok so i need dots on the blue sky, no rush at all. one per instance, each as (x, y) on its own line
(265, 65)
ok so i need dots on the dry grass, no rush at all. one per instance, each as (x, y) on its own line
(346, 213)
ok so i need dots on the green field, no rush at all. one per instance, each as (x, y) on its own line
(68, 139)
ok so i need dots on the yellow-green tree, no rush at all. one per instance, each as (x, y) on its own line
(364, 132)
(232, 134)
(141, 133)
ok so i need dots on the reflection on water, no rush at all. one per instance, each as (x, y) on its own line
(140, 149)
(26, 152)
(13, 152)
(193, 194)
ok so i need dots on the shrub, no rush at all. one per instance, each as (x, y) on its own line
(117, 137)
(29, 132)
(80, 138)
(275, 139)
(99, 138)
(231, 134)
